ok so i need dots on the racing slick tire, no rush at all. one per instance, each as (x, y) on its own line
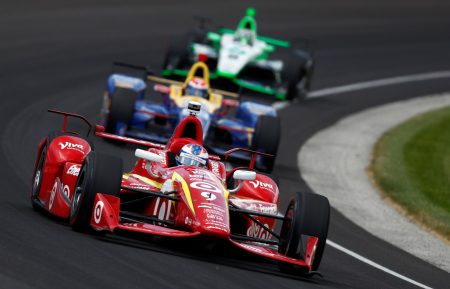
(121, 109)
(99, 173)
(307, 214)
(298, 75)
(178, 54)
(37, 179)
(266, 139)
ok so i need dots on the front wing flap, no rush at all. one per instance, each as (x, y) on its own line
(270, 254)
(106, 217)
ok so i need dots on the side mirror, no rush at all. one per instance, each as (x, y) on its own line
(242, 175)
(146, 155)
(99, 128)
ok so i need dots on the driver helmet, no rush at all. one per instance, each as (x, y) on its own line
(197, 87)
(192, 155)
(244, 36)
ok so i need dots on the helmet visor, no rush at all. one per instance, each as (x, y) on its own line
(191, 160)
(192, 91)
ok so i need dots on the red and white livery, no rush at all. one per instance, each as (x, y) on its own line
(159, 196)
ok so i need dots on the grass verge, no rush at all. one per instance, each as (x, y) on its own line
(411, 166)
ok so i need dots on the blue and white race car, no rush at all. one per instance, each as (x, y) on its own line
(227, 122)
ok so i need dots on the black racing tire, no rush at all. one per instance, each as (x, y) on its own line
(121, 109)
(37, 180)
(178, 54)
(297, 75)
(266, 139)
(100, 173)
(308, 215)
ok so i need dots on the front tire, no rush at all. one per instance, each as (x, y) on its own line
(309, 215)
(37, 180)
(298, 75)
(100, 173)
(266, 139)
(121, 109)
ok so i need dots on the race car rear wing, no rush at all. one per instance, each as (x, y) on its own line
(100, 130)
(149, 76)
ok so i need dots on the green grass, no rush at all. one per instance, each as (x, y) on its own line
(411, 165)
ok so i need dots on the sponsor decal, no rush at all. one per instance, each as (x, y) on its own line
(256, 231)
(188, 221)
(205, 186)
(66, 191)
(215, 217)
(214, 214)
(258, 184)
(252, 205)
(212, 206)
(194, 157)
(71, 146)
(215, 168)
(209, 196)
(216, 228)
(74, 170)
(138, 186)
(259, 250)
(216, 223)
(266, 209)
(52, 196)
(98, 209)
(252, 248)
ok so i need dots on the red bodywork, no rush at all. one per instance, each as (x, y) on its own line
(202, 207)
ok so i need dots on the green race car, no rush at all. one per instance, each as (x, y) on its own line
(242, 59)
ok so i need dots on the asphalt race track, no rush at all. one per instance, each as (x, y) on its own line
(58, 53)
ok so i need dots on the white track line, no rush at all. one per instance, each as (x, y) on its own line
(379, 83)
(376, 265)
(278, 105)
(361, 86)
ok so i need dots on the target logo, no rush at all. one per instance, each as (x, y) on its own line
(98, 209)
(206, 187)
(66, 191)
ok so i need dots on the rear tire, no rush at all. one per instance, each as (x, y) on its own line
(266, 139)
(37, 180)
(100, 173)
(178, 54)
(298, 75)
(122, 108)
(309, 216)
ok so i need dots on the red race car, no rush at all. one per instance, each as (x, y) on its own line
(177, 190)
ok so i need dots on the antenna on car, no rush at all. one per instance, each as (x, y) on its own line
(194, 108)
